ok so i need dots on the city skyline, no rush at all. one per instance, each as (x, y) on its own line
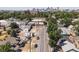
(30, 8)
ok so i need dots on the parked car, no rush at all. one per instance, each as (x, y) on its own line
(36, 45)
(38, 38)
(13, 45)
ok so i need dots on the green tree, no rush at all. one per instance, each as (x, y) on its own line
(14, 25)
(66, 22)
(53, 32)
(52, 43)
(5, 48)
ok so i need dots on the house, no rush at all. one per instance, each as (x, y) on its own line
(64, 31)
(19, 23)
(3, 23)
(38, 21)
(25, 32)
(61, 40)
(71, 27)
(74, 20)
(69, 47)
(26, 28)
(72, 50)
(24, 35)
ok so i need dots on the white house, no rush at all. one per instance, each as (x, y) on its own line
(65, 31)
(69, 47)
(74, 20)
(38, 20)
(3, 23)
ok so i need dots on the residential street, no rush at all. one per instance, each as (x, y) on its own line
(43, 39)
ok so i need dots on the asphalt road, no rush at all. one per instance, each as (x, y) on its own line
(43, 41)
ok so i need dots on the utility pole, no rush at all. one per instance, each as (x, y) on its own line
(30, 43)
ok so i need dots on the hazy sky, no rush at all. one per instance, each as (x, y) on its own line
(25, 8)
(19, 8)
